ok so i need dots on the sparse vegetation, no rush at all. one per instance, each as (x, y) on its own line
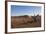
(25, 21)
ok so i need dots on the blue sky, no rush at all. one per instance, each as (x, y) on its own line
(17, 10)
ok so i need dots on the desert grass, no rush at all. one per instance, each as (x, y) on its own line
(25, 21)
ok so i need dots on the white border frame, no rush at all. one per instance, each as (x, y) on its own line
(24, 29)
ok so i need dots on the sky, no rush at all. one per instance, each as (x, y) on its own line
(17, 10)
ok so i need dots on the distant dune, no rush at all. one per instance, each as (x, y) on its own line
(25, 21)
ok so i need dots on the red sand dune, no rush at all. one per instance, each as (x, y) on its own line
(25, 21)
